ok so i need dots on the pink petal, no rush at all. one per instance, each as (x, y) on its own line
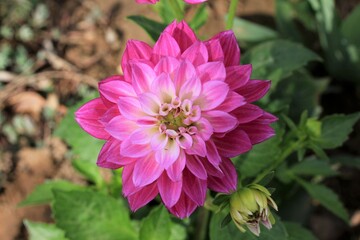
(142, 76)
(196, 167)
(238, 76)
(198, 147)
(167, 156)
(215, 51)
(205, 129)
(128, 149)
(120, 127)
(175, 170)
(231, 102)
(114, 87)
(88, 116)
(254, 90)
(185, 141)
(169, 190)
(167, 65)
(197, 54)
(146, 171)
(266, 118)
(221, 121)
(212, 71)
(163, 86)
(182, 33)
(257, 132)
(185, 72)
(191, 89)
(128, 187)
(143, 135)
(233, 143)
(109, 156)
(110, 114)
(212, 153)
(184, 207)
(165, 46)
(143, 196)
(230, 47)
(159, 141)
(194, 187)
(150, 103)
(247, 113)
(130, 108)
(213, 170)
(213, 94)
(134, 50)
(227, 183)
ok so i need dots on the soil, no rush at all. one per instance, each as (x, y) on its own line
(89, 49)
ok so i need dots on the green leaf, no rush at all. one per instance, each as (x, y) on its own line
(90, 171)
(166, 10)
(351, 23)
(248, 32)
(297, 232)
(277, 59)
(313, 167)
(87, 215)
(285, 16)
(178, 232)
(230, 231)
(44, 231)
(157, 225)
(200, 18)
(43, 193)
(335, 130)
(84, 146)
(346, 160)
(152, 27)
(326, 197)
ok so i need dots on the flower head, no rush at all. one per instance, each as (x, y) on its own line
(155, 1)
(250, 205)
(181, 110)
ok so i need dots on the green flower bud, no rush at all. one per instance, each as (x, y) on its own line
(249, 206)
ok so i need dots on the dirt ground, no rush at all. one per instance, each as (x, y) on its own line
(86, 52)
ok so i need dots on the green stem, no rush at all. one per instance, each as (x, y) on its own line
(202, 224)
(231, 15)
(288, 150)
(179, 14)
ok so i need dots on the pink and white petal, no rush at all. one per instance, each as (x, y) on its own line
(221, 121)
(194, 165)
(147, 121)
(182, 33)
(143, 135)
(165, 46)
(174, 171)
(128, 187)
(130, 108)
(211, 71)
(238, 76)
(230, 47)
(163, 86)
(88, 117)
(194, 187)
(120, 127)
(215, 51)
(159, 141)
(150, 103)
(167, 65)
(146, 171)
(109, 156)
(169, 190)
(191, 89)
(143, 196)
(128, 149)
(227, 183)
(185, 72)
(197, 54)
(114, 87)
(231, 102)
(254, 90)
(185, 141)
(168, 155)
(247, 113)
(205, 129)
(233, 143)
(213, 94)
(134, 50)
(257, 132)
(212, 154)
(198, 147)
(184, 207)
(142, 76)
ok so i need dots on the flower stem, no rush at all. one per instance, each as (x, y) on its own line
(231, 15)
(177, 10)
(202, 224)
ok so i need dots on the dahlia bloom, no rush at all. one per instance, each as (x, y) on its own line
(155, 1)
(181, 110)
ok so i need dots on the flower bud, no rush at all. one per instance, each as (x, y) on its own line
(249, 206)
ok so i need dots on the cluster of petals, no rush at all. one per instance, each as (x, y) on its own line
(181, 110)
(155, 1)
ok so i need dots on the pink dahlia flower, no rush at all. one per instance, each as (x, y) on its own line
(155, 1)
(181, 110)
